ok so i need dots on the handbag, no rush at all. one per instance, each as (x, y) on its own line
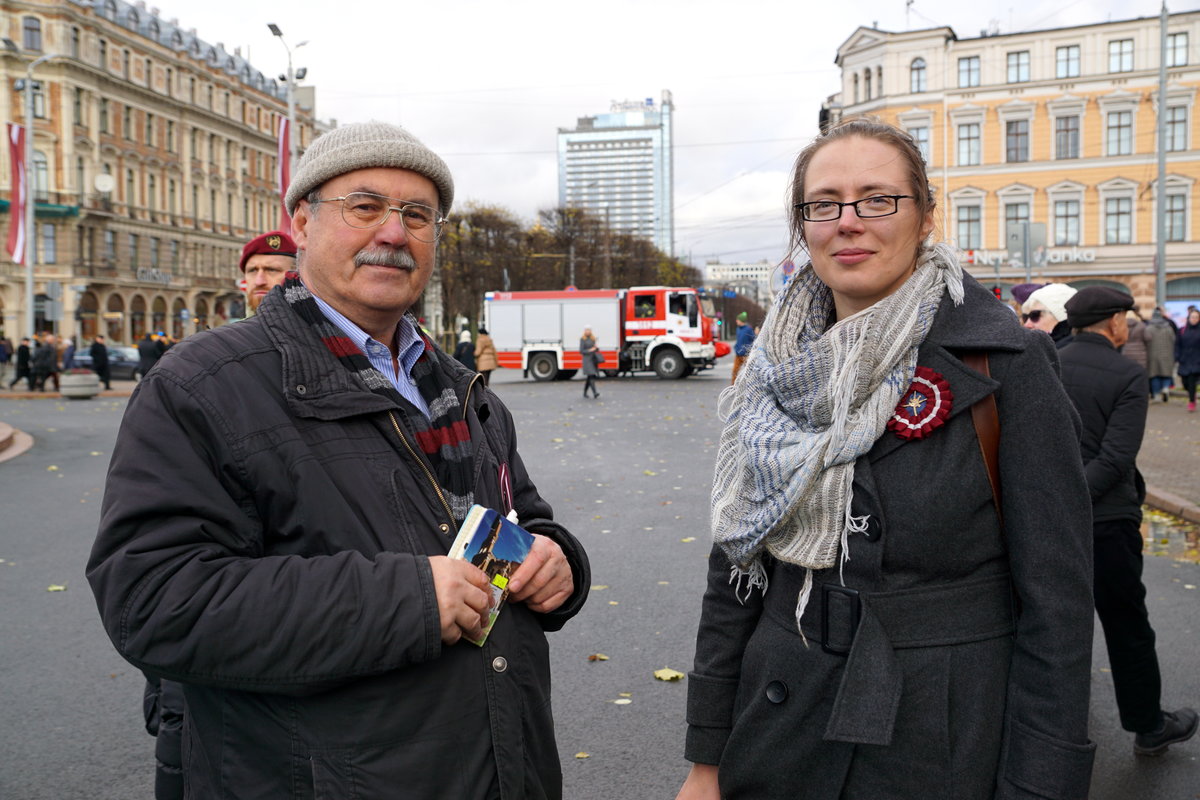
(599, 357)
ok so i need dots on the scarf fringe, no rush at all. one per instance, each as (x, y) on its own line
(802, 603)
(754, 576)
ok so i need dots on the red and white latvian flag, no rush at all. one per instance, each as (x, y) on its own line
(285, 172)
(19, 195)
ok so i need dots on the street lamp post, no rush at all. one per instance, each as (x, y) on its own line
(290, 78)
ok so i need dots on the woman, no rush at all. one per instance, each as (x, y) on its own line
(589, 356)
(464, 353)
(485, 355)
(1187, 354)
(1160, 354)
(870, 629)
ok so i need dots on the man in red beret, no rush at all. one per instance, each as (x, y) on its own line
(265, 260)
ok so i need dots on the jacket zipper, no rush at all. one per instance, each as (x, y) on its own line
(432, 480)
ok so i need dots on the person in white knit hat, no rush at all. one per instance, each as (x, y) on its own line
(1045, 310)
(280, 508)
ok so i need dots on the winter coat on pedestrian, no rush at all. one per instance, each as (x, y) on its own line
(1135, 347)
(745, 339)
(24, 357)
(163, 707)
(45, 359)
(99, 354)
(1160, 348)
(1187, 350)
(149, 351)
(265, 541)
(485, 353)
(587, 355)
(949, 656)
(464, 353)
(1109, 392)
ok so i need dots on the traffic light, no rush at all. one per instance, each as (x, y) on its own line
(998, 291)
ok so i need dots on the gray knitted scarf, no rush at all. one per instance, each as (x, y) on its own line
(810, 399)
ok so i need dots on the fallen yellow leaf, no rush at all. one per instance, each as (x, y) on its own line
(54, 587)
(688, 539)
(649, 472)
(597, 657)
(613, 603)
(51, 468)
(582, 754)
(599, 587)
(625, 694)
(668, 674)
(624, 701)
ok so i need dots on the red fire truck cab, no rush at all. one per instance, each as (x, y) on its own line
(664, 329)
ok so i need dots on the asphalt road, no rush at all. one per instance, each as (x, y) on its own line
(629, 473)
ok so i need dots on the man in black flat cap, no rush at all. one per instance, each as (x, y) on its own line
(1109, 391)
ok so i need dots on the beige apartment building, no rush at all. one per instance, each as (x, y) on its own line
(1056, 128)
(154, 161)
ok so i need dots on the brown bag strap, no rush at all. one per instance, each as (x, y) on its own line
(987, 428)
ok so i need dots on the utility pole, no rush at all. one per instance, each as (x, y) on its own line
(1160, 252)
(290, 78)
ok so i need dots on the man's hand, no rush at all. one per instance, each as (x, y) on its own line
(462, 597)
(543, 581)
(701, 784)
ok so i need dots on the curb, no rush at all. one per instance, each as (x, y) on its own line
(51, 395)
(1172, 504)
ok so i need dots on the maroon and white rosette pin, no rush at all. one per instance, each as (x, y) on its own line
(924, 407)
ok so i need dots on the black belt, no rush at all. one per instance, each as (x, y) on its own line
(868, 627)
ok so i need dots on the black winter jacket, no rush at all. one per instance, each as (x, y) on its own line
(264, 541)
(1109, 391)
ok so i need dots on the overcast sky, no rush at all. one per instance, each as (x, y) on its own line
(488, 84)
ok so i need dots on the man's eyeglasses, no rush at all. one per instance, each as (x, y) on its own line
(879, 205)
(365, 210)
(1033, 316)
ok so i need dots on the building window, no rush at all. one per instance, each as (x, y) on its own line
(212, 205)
(1177, 49)
(195, 153)
(1176, 217)
(1016, 140)
(151, 192)
(1119, 135)
(968, 72)
(1118, 220)
(125, 63)
(1018, 67)
(127, 122)
(129, 198)
(917, 76)
(969, 228)
(856, 87)
(1066, 137)
(173, 245)
(103, 55)
(77, 107)
(133, 250)
(210, 98)
(192, 91)
(170, 136)
(1120, 55)
(195, 206)
(80, 176)
(39, 100)
(1015, 214)
(49, 243)
(920, 137)
(867, 85)
(150, 130)
(1176, 124)
(75, 43)
(110, 245)
(41, 177)
(104, 115)
(969, 146)
(31, 28)
(1066, 61)
(153, 252)
(1066, 222)
(169, 83)
(171, 199)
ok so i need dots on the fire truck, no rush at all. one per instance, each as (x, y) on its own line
(667, 330)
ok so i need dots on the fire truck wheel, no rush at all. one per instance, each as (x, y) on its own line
(669, 364)
(543, 367)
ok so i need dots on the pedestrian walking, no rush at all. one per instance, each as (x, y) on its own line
(1160, 355)
(1187, 356)
(464, 353)
(1139, 338)
(24, 364)
(741, 345)
(1044, 311)
(485, 355)
(1109, 392)
(858, 637)
(279, 508)
(589, 354)
(149, 351)
(6, 355)
(45, 363)
(68, 357)
(99, 353)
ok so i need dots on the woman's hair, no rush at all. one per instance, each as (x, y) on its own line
(587, 334)
(482, 331)
(865, 128)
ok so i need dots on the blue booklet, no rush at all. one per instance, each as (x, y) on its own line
(497, 546)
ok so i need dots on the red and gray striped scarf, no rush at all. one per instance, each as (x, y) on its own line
(444, 437)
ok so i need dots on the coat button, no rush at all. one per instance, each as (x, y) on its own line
(499, 663)
(445, 528)
(301, 389)
(777, 691)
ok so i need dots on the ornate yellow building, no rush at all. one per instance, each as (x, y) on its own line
(154, 161)
(1055, 128)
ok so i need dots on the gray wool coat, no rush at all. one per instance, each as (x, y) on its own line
(956, 661)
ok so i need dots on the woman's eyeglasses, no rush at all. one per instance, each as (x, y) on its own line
(1033, 316)
(880, 205)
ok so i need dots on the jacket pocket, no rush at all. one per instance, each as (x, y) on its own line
(418, 768)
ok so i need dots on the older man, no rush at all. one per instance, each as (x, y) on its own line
(1109, 391)
(280, 505)
(265, 260)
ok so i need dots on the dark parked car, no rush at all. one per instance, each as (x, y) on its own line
(122, 362)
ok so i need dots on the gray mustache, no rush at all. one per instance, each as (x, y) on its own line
(382, 257)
